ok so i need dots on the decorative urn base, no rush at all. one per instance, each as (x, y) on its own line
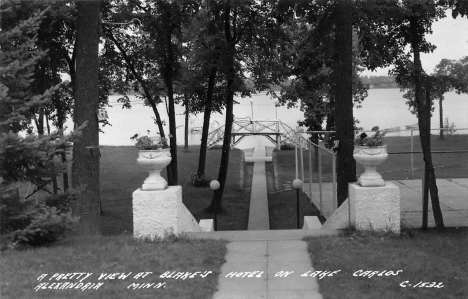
(370, 158)
(154, 161)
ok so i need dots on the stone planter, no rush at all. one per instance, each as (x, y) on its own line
(154, 161)
(370, 158)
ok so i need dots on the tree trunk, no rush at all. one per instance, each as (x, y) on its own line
(424, 122)
(40, 122)
(85, 169)
(425, 207)
(172, 180)
(441, 120)
(186, 124)
(430, 178)
(346, 165)
(216, 203)
(168, 76)
(206, 123)
(47, 123)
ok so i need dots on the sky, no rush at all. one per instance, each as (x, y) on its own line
(451, 38)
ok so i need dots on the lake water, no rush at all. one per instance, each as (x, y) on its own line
(385, 108)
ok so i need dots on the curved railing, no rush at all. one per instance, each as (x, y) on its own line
(248, 126)
(215, 136)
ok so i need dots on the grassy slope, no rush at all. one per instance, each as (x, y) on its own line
(123, 254)
(423, 256)
(120, 176)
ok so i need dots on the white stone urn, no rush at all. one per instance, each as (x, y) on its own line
(154, 161)
(370, 158)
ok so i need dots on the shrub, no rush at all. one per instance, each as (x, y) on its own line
(11, 209)
(63, 201)
(287, 146)
(200, 181)
(48, 224)
(25, 223)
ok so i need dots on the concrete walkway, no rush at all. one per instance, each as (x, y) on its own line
(267, 263)
(265, 254)
(258, 212)
(261, 263)
(453, 197)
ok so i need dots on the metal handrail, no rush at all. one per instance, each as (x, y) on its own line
(299, 140)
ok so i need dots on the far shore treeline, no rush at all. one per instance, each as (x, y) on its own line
(371, 82)
(380, 82)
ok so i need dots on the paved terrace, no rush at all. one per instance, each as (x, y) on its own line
(453, 197)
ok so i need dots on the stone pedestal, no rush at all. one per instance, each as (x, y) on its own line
(158, 213)
(375, 208)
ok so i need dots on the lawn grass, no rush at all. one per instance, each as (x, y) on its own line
(447, 165)
(114, 254)
(397, 166)
(118, 252)
(426, 256)
(120, 176)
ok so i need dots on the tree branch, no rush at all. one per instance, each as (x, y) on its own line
(141, 81)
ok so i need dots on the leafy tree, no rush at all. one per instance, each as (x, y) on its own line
(205, 83)
(25, 157)
(312, 55)
(386, 28)
(449, 75)
(249, 30)
(160, 58)
(19, 57)
(165, 27)
(54, 37)
(130, 59)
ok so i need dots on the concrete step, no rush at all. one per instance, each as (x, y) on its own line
(258, 159)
